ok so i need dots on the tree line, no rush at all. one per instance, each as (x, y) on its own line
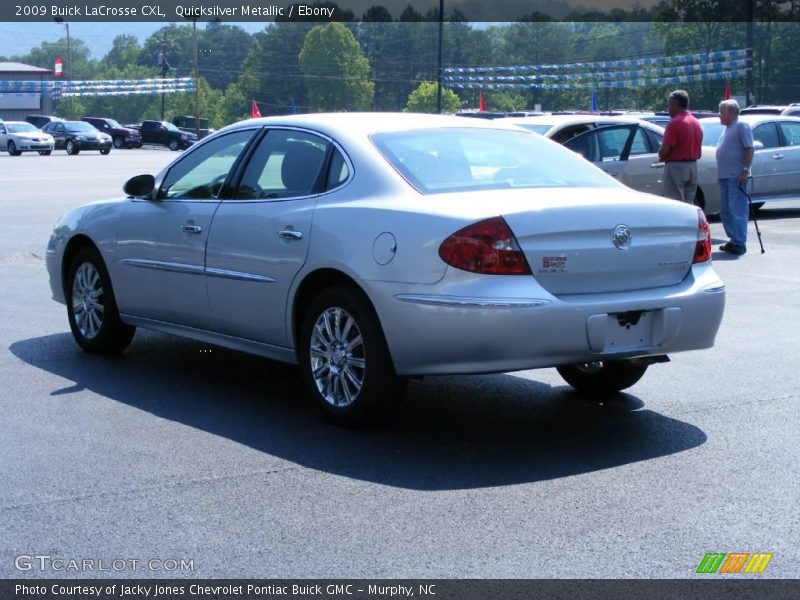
(379, 62)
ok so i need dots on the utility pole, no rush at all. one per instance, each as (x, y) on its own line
(196, 82)
(439, 75)
(748, 97)
(69, 65)
(162, 60)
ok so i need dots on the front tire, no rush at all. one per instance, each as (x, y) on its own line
(72, 148)
(174, 145)
(106, 151)
(92, 308)
(45, 152)
(12, 149)
(119, 142)
(346, 365)
(602, 376)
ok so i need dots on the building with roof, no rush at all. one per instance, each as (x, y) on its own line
(15, 104)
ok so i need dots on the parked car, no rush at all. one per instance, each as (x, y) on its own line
(74, 136)
(372, 247)
(187, 124)
(17, 137)
(775, 169)
(166, 134)
(122, 137)
(40, 121)
(790, 110)
(627, 149)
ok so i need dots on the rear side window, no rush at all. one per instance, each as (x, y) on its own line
(286, 164)
(791, 133)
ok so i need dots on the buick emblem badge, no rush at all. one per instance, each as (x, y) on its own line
(621, 237)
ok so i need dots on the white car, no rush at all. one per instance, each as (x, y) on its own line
(369, 248)
(775, 170)
(627, 149)
(17, 137)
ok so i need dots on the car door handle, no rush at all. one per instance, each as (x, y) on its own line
(290, 234)
(658, 165)
(191, 228)
(777, 156)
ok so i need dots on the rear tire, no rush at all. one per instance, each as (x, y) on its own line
(92, 308)
(346, 366)
(602, 376)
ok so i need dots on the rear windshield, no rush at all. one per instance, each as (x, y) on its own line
(463, 159)
(80, 126)
(540, 128)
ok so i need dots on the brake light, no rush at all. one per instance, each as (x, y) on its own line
(702, 250)
(487, 247)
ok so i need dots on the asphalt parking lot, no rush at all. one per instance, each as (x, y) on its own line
(180, 451)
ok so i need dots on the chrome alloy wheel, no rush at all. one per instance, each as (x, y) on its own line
(87, 305)
(337, 357)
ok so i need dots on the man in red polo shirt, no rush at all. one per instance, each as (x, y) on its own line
(680, 149)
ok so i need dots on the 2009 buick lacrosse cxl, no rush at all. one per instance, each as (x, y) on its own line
(369, 248)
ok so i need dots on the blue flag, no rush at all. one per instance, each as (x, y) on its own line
(594, 100)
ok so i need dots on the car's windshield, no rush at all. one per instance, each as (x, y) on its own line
(462, 159)
(20, 127)
(113, 123)
(80, 126)
(537, 128)
(171, 127)
(711, 132)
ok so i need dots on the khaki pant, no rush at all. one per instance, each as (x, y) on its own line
(680, 181)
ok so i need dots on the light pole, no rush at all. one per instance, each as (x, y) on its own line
(69, 64)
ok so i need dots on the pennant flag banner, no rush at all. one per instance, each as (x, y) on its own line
(699, 67)
(115, 87)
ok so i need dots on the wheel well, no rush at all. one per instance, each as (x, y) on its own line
(700, 199)
(79, 242)
(312, 285)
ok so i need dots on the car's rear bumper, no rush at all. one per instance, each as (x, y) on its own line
(468, 324)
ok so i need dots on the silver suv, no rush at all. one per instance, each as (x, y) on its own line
(789, 110)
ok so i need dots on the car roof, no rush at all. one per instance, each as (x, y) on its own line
(755, 119)
(364, 124)
(558, 121)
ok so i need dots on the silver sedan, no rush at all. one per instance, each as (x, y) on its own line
(370, 248)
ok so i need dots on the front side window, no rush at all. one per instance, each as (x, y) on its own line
(767, 134)
(286, 164)
(462, 159)
(202, 172)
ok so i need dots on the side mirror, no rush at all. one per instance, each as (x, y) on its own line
(758, 145)
(141, 185)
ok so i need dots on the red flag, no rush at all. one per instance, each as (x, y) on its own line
(254, 112)
(726, 95)
(59, 66)
(481, 102)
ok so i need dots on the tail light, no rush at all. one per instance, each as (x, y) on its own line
(487, 247)
(702, 250)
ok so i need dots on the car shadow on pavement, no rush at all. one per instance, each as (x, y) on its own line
(450, 433)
